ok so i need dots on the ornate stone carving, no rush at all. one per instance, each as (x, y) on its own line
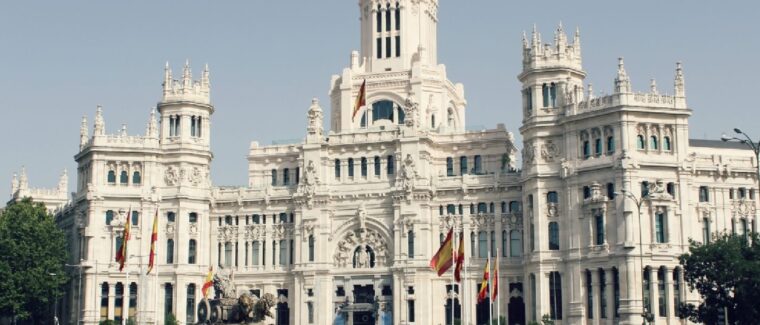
(307, 188)
(196, 176)
(407, 176)
(411, 110)
(171, 176)
(355, 244)
(549, 151)
(528, 153)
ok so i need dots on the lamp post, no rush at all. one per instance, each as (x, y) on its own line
(55, 304)
(79, 290)
(755, 146)
(646, 315)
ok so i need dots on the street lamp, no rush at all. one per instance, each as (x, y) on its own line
(79, 290)
(55, 304)
(755, 146)
(646, 315)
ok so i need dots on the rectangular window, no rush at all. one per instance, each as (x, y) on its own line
(274, 177)
(478, 169)
(168, 299)
(589, 296)
(482, 244)
(286, 177)
(462, 165)
(391, 168)
(410, 244)
(379, 48)
(603, 293)
(190, 306)
(283, 252)
(398, 46)
(311, 248)
(255, 253)
(449, 166)
(704, 195)
(705, 230)
(555, 295)
(310, 312)
(298, 175)
(364, 167)
(350, 167)
(337, 168)
(387, 47)
(662, 302)
(377, 166)
(610, 191)
(553, 236)
(644, 189)
(661, 227)
(410, 311)
(599, 229)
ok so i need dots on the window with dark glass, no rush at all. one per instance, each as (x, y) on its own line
(388, 47)
(170, 251)
(390, 166)
(661, 227)
(364, 167)
(599, 225)
(478, 165)
(586, 192)
(377, 166)
(350, 167)
(545, 94)
(168, 299)
(449, 166)
(111, 176)
(136, 179)
(610, 145)
(653, 143)
(704, 194)
(311, 248)
(410, 243)
(119, 302)
(552, 197)
(398, 46)
(482, 244)
(515, 243)
(123, 178)
(109, 217)
(644, 189)
(553, 236)
(191, 251)
(598, 147)
(379, 47)
(463, 165)
(337, 168)
(274, 177)
(286, 176)
(190, 304)
(640, 143)
(586, 149)
(610, 191)
(666, 143)
(555, 295)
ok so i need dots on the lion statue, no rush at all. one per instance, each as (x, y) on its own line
(262, 307)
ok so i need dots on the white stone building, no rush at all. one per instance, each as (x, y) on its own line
(348, 219)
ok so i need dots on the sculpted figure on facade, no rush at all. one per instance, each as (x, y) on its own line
(315, 116)
(171, 176)
(411, 110)
(408, 175)
(549, 151)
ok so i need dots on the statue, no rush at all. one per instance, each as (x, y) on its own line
(411, 109)
(362, 258)
(231, 308)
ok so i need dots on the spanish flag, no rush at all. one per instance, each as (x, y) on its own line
(460, 259)
(483, 293)
(443, 259)
(153, 239)
(495, 279)
(209, 282)
(121, 255)
(361, 99)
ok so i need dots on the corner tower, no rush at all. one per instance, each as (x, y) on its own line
(405, 85)
(185, 109)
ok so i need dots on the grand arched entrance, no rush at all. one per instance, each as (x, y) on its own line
(516, 305)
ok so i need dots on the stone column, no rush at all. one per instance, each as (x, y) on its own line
(653, 292)
(111, 300)
(596, 309)
(669, 294)
(609, 287)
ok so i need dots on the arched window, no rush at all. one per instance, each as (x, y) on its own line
(640, 143)
(503, 207)
(123, 177)
(482, 244)
(553, 236)
(191, 251)
(410, 243)
(515, 243)
(677, 298)
(111, 176)
(190, 304)
(135, 218)
(132, 311)
(364, 167)
(514, 207)
(653, 143)
(337, 168)
(666, 144)
(398, 16)
(170, 251)
(482, 207)
(379, 18)
(119, 302)
(104, 301)
(463, 165)
(662, 301)
(274, 177)
(610, 145)
(478, 165)
(311, 248)
(383, 110)
(449, 166)
(350, 167)
(555, 295)
(388, 18)
(136, 178)
(377, 166)
(598, 146)
(109, 217)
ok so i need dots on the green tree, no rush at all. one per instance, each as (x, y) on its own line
(726, 273)
(32, 257)
(169, 319)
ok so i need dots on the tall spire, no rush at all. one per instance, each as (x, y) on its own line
(151, 131)
(187, 77)
(534, 39)
(205, 83)
(653, 86)
(63, 182)
(680, 88)
(560, 39)
(83, 133)
(525, 40)
(123, 131)
(167, 79)
(100, 124)
(23, 181)
(14, 184)
(622, 82)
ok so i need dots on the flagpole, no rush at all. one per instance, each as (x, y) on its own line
(465, 294)
(490, 285)
(453, 269)
(498, 296)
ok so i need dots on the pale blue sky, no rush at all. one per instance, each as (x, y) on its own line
(269, 58)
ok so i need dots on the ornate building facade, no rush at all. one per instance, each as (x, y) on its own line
(342, 225)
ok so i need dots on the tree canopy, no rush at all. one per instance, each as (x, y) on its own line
(32, 258)
(725, 273)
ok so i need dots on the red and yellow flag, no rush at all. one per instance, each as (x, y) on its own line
(121, 255)
(208, 282)
(483, 293)
(460, 259)
(361, 99)
(443, 259)
(495, 279)
(153, 239)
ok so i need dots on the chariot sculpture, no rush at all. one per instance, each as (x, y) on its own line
(229, 308)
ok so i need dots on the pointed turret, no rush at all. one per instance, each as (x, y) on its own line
(653, 86)
(560, 39)
(83, 133)
(63, 182)
(100, 124)
(205, 83)
(14, 184)
(151, 131)
(577, 41)
(23, 180)
(622, 82)
(525, 41)
(315, 128)
(187, 77)
(590, 94)
(168, 81)
(680, 88)
(534, 43)
(123, 131)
